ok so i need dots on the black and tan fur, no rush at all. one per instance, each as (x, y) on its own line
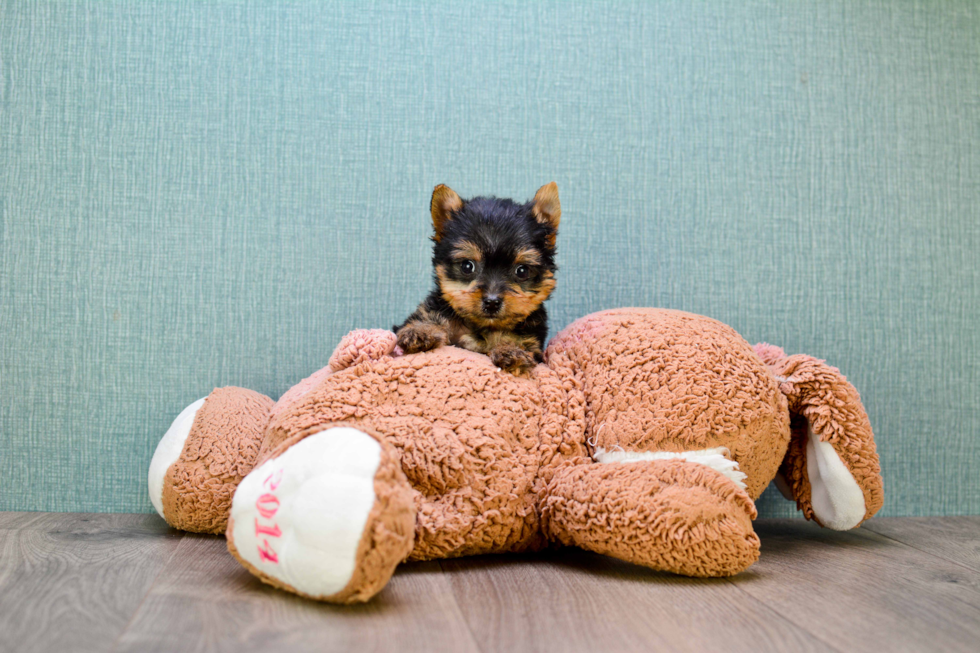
(494, 266)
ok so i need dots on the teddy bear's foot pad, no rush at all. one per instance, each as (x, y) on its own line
(310, 519)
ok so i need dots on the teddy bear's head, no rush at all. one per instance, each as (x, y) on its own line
(657, 381)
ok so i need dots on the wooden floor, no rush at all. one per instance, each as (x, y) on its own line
(83, 582)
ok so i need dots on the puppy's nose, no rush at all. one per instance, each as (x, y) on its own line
(492, 304)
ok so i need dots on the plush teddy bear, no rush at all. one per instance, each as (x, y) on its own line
(646, 435)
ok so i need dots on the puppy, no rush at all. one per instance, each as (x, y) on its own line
(494, 266)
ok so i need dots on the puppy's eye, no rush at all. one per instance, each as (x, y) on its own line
(522, 272)
(467, 267)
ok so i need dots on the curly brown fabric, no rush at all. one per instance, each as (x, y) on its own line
(477, 460)
(664, 514)
(470, 439)
(819, 395)
(220, 450)
(662, 380)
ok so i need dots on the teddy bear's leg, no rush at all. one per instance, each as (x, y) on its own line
(831, 468)
(207, 451)
(328, 515)
(670, 515)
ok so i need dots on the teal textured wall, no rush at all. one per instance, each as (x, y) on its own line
(202, 194)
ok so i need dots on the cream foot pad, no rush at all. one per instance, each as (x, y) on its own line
(307, 519)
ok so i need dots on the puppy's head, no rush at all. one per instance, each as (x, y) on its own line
(494, 259)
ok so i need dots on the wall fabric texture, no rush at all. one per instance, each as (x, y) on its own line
(199, 194)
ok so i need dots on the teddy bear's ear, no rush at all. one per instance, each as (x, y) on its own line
(444, 203)
(831, 467)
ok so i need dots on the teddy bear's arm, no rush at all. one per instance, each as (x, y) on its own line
(670, 515)
(831, 468)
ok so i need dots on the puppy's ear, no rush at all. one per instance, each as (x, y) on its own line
(547, 209)
(444, 203)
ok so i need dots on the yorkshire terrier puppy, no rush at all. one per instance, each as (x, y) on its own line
(494, 264)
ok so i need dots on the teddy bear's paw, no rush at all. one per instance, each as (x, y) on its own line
(329, 518)
(204, 455)
(667, 514)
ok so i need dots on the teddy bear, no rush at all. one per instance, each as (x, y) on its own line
(646, 435)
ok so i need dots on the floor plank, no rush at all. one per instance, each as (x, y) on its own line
(129, 583)
(954, 538)
(70, 582)
(860, 591)
(12, 520)
(572, 600)
(205, 601)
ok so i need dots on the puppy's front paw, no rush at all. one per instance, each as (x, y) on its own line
(413, 338)
(513, 359)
